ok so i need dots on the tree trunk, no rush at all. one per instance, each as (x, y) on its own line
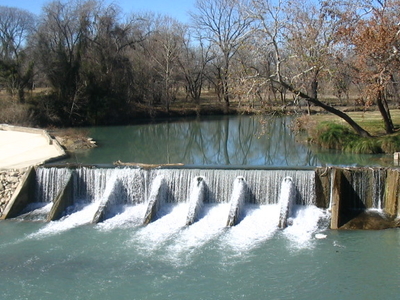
(358, 129)
(21, 94)
(384, 110)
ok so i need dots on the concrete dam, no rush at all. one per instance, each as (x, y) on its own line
(342, 194)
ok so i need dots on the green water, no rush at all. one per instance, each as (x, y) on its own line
(228, 141)
(128, 262)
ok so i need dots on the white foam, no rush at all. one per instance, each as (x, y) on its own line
(82, 216)
(306, 220)
(209, 226)
(131, 216)
(172, 219)
(259, 224)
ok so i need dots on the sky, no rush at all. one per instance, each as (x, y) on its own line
(177, 9)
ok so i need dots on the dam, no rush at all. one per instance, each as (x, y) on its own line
(53, 193)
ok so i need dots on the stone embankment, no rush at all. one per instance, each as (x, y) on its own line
(9, 181)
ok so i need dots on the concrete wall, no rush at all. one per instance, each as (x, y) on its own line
(22, 196)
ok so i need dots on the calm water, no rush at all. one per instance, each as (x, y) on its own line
(229, 141)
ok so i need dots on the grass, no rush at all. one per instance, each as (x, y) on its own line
(330, 131)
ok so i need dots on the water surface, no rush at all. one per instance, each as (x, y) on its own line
(167, 261)
(218, 141)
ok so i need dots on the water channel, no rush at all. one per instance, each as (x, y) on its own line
(119, 258)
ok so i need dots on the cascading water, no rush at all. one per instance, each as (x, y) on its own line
(177, 197)
(156, 199)
(49, 182)
(364, 187)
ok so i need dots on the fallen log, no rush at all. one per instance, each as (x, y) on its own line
(144, 166)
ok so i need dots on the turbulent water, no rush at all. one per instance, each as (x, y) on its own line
(119, 259)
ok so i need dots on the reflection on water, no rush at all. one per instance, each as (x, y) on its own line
(242, 141)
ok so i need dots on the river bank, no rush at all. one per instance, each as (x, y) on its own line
(331, 132)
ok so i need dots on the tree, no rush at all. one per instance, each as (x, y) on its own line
(226, 28)
(271, 23)
(373, 34)
(61, 43)
(107, 72)
(193, 61)
(16, 70)
(164, 48)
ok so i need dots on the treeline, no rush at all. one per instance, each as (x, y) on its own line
(102, 66)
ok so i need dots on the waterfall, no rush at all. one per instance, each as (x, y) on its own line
(364, 188)
(262, 184)
(49, 182)
(196, 199)
(114, 194)
(91, 183)
(111, 189)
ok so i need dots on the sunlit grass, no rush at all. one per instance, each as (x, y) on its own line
(334, 133)
(369, 120)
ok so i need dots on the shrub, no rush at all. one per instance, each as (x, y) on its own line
(340, 137)
(15, 113)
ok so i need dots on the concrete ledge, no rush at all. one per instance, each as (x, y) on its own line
(27, 147)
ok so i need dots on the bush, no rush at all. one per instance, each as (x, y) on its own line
(391, 143)
(340, 137)
(14, 113)
(334, 136)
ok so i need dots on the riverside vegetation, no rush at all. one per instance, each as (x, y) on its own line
(331, 132)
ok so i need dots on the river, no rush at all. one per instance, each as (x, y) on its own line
(120, 258)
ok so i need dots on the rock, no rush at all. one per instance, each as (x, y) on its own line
(371, 220)
(9, 181)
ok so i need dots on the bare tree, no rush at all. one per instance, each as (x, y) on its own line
(272, 24)
(163, 47)
(193, 61)
(226, 28)
(16, 71)
(61, 42)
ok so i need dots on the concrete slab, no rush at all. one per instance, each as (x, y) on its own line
(21, 147)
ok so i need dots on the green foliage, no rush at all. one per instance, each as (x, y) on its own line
(390, 143)
(336, 136)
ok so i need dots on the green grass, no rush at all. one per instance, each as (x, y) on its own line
(335, 135)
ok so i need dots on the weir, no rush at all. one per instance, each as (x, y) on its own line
(344, 192)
